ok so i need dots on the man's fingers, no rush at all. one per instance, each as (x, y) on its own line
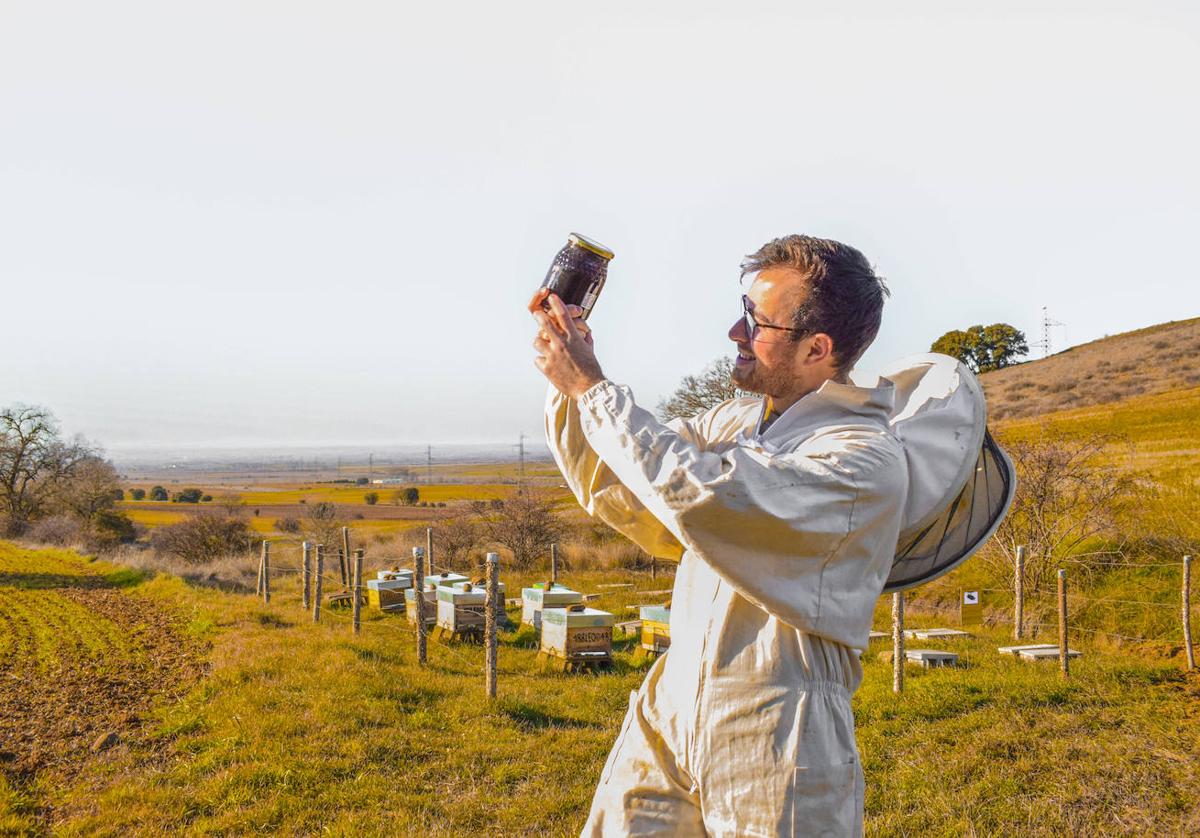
(563, 317)
(551, 331)
(539, 296)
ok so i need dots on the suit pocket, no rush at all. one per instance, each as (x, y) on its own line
(826, 801)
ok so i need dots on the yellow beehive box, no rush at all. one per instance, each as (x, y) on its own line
(542, 596)
(429, 606)
(386, 594)
(656, 628)
(577, 633)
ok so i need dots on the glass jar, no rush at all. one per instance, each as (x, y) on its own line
(578, 272)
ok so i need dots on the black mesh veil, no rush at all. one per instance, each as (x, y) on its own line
(964, 525)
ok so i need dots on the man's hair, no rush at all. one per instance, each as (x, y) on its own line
(844, 299)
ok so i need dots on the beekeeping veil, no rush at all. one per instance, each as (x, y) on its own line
(961, 483)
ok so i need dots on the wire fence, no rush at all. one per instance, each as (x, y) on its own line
(1035, 608)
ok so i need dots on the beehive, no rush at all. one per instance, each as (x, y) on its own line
(430, 589)
(394, 573)
(545, 595)
(387, 594)
(461, 607)
(577, 633)
(656, 628)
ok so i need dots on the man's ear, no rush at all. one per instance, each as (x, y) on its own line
(820, 349)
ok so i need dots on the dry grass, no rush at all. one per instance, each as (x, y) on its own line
(1144, 362)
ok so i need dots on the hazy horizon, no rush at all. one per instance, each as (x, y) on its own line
(272, 225)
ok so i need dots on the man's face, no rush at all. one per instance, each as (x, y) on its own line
(769, 362)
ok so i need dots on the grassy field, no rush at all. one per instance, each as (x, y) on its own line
(301, 728)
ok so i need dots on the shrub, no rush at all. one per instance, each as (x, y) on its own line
(137, 494)
(371, 498)
(108, 529)
(288, 525)
(202, 538)
(187, 496)
(59, 530)
(159, 493)
(206, 499)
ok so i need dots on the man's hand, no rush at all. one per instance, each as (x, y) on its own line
(564, 345)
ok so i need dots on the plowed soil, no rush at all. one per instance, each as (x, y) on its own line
(83, 658)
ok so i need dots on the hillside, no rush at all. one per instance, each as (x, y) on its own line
(1156, 359)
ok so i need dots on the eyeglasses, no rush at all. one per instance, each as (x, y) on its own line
(753, 326)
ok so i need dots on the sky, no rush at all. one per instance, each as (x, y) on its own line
(295, 223)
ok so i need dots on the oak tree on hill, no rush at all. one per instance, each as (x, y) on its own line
(984, 348)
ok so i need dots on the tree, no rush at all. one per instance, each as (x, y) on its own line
(1066, 494)
(158, 493)
(697, 393)
(984, 348)
(187, 496)
(34, 463)
(371, 498)
(322, 523)
(411, 495)
(89, 489)
(118, 493)
(456, 538)
(525, 523)
(137, 494)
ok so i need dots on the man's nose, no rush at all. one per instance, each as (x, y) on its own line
(737, 332)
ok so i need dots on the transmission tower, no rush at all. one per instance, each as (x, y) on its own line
(428, 463)
(1048, 324)
(521, 457)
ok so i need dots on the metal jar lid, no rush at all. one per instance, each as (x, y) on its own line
(589, 244)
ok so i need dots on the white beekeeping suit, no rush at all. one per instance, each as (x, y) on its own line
(785, 539)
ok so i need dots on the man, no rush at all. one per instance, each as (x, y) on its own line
(785, 511)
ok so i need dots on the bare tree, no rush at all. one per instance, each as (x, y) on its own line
(91, 488)
(525, 523)
(322, 524)
(456, 538)
(697, 393)
(1066, 495)
(34, 463)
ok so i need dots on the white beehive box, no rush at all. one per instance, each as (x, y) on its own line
(577, 632)
(539, 597)
(461, 607)
(394, 574)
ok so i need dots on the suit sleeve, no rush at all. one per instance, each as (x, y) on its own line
(596, 487)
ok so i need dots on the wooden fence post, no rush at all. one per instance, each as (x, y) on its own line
(653, 568)
(1063, 656)
(1187, 613)
(553, 563)
(266, 572)
(306, 564)
(358, 560)
(897, 641)
(419, 600)
(489, 624)
(258, 585)
(346, 573)
(1019, 594)
(429, 549)
(318, 582)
